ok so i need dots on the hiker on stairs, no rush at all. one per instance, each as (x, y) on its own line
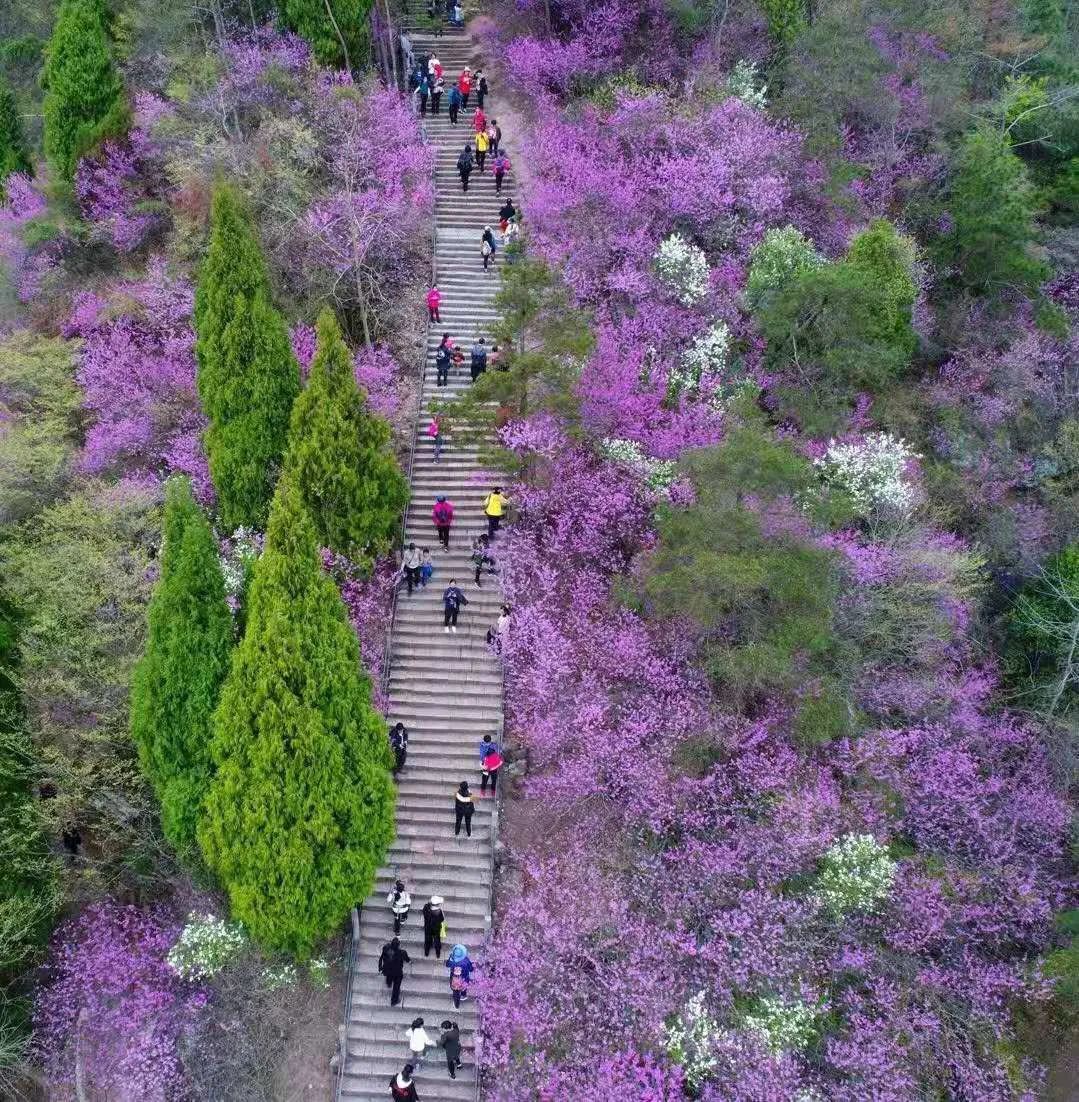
(450, 1042)
(464, 167)
(463, 807)
(453, 101)
(452, 600)
(391, 963)
(434, 926)
(403, 1086)
(442, 515)
(400, 903)
(399, 746)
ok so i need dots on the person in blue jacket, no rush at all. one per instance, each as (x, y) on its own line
(461, 969)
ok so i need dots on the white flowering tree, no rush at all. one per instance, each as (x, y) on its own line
(205, 946)
(658, 474)
(874, 474)
(779, 256)
(784, 1025)
(683, 268)
(742, 83)
(239, 553)
(709, 354)
(856, 874)
(691, 1041)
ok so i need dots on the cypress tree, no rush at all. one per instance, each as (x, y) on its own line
(176, 682)
(247, 375)
(84, 95)
(14, 155)
(339, 455)
(992, 204)
(299, 813)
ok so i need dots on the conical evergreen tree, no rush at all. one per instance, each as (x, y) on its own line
(247, 375)
(339, 455)
(176, 683)
(14, 155)
(300, 811)
(84, 95)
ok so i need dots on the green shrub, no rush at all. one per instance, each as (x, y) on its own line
(14, 154)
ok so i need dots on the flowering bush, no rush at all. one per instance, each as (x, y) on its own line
(691, 1039)
(111, 1006)
(784, 1025)
(856, 874)
(782, 253)
(205, 946)
(875, 473)
(742, 83)
(658, 474)
(709, 354)
(683, 268)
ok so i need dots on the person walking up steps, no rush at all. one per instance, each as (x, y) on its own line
(490, 762)
(464, 82)
(453, 103)
(507, 212)
(494, 508)
(418, 1041)
(494, 135)
(463, 806)
(464, 167)
(434, 300)
(434, 925)
(391, 963)
(400, 903)
(443, 359)
(489, 238)
(452, 600)
(482, 145)
(479, 357)
(450, 1043)
(427, 568)
(461, 969)
(482, 89)
(425, 91)
(434, 431)
(403, 1086)
(399, 746)
(442, 515)
(479, 121)
(501, 165)
(411, 562)
(436, 94)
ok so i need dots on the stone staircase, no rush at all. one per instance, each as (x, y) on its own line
(446, 688)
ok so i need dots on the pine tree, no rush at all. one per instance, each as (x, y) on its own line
(886, 259)
(299, 814)
(84, 95)
(339, 455)
(176, 682)
(336, 30)
(14, 155)
(247, 375)
(992, 205)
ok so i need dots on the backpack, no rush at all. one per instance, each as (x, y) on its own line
(457, 980)
(479, 357)
(465, 161)
(485, 250)
(442, 356)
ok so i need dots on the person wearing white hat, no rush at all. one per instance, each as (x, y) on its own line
(434, 926)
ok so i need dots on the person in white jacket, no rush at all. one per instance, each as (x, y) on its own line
(400, 903)
(419, 1041)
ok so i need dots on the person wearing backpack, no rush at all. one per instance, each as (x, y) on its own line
(434, 431)
(489, 237)
(460, 973)
(399, 746)
(482, 145)
(391, 963)
(453, 102)
(452, 600)
(434, 926)
(442, 515)
(450, 1042)
(403, 1086)
(464, 167)
(494, 509)
(501, 165)
(400, 902)
(479, 353)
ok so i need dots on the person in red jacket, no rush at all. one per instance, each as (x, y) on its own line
(442, 515)
(434, 299)
(464, 82)
(479, 121)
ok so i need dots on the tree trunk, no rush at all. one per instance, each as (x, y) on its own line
(340, 36)
(391, 44)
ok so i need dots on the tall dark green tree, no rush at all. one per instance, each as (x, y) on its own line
(84, 95)
(300, 811)
(992, 205)
(247, 375)
(337, 30)
(14, 154)
(340, 456)
(176, 682)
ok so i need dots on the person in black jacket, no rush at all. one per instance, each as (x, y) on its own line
(399, 746)
(403, 1086)
(433, 918)
(450, 1042)
(464, 167)
(391, 963)
(452, 599)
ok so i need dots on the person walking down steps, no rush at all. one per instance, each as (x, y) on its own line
(461, 969)
(494, 509)
(453, 104)
(411, 561)
(403, 1086)
(483, 143)
(452, 600)
(442, 515)
(399, 746)
(434, 300)
(490, 762)
(449, 1041)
